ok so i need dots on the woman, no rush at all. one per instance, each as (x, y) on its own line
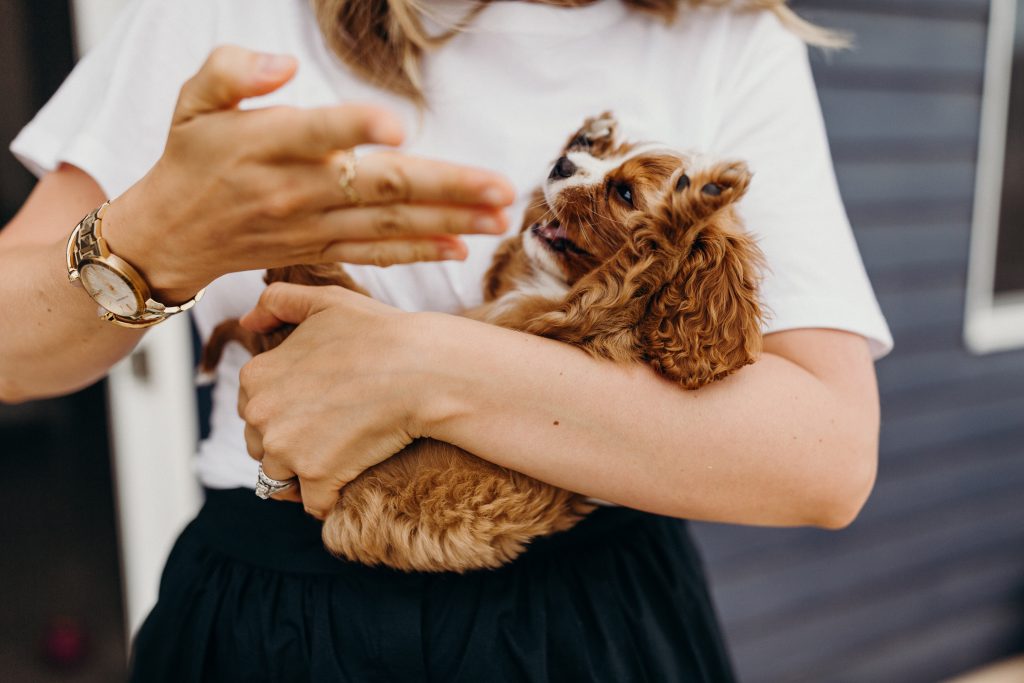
(244, 183)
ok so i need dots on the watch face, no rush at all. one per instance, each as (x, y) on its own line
(109, 290)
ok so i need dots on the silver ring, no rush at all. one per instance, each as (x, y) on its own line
(266, 487)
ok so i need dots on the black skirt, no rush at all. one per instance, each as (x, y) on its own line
(249, 594)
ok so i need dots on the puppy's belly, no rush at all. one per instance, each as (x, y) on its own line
(434, 507)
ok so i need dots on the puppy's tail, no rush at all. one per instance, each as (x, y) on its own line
(255, 343)
(315, 274)
(227, 331)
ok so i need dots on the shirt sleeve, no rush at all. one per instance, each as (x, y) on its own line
(769, 116)
(111, 116)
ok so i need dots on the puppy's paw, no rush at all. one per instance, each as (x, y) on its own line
(600, 127)
(702, 192)
(598, 135)
(728, 179)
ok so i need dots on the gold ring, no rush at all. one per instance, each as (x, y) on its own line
(348, 175)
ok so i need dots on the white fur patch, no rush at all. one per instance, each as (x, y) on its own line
(541, 257)
(591, 170)
(547, 277)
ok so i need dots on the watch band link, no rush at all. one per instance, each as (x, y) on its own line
(86, 243)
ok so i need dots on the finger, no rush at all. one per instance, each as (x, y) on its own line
(274, 469)
(316, 133)
(385, 253)
(231, 74)
(292, 495)
(393, 178)
(254, 443)
(398, 221)
(243, 400)
(283, 302)
(319, 497)
(293, 492)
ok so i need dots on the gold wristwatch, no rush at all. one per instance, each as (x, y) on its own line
(121, 292)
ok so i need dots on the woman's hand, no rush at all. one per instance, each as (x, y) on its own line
(337, 396)
(244, 190)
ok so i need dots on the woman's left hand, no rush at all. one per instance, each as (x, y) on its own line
(335, 398)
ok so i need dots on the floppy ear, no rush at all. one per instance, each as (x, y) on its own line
(602, 311)
(496, 279)
(705, 322)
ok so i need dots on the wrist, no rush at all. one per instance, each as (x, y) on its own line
(441, 393)
(124, 230)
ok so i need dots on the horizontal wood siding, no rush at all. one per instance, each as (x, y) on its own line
(929, 581)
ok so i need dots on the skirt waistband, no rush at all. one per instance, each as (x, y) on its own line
(280, 536)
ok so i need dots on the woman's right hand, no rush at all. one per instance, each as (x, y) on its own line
(243, 190)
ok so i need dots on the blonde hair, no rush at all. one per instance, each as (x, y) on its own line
(383, 41)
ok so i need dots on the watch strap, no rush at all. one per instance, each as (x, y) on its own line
(86, 243)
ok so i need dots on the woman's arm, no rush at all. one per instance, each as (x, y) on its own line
(234, 190)
(52, 341)
(790, 440)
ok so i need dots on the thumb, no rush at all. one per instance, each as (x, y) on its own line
(230, 75)
(283, 303)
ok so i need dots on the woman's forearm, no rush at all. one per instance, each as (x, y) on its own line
(52, 340)
(234, 191)
(774, 444)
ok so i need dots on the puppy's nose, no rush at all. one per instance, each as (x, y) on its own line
(563, 168)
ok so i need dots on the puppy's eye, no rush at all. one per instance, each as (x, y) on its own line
(624, 192)
(682, 183)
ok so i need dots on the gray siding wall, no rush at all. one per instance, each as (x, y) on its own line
(929, 581)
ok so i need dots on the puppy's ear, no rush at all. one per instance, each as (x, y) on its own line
(602, 312)
(498, 279)
(705, 321)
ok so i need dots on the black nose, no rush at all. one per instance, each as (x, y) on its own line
(563, 168)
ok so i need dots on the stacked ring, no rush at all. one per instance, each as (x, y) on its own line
(266, 487)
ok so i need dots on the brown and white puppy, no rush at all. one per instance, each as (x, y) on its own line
(632, 252)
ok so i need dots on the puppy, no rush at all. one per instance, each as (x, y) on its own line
(633, 253)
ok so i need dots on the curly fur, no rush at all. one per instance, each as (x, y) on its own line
(681, 294)
(671, 282)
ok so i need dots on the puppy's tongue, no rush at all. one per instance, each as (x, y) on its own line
(552, 231)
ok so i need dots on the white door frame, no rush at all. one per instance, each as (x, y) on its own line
(152, 409)
(992, 323)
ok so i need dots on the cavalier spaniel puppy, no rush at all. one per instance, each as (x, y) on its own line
(632, 252)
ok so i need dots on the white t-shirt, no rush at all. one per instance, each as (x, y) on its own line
(504, 94)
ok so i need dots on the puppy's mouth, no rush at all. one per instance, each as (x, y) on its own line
(553, 236)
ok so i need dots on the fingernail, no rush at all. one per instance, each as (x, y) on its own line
(495, 195)
(451, 253)
(485, 223)
(272, 65)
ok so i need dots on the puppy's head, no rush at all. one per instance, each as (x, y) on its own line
(593, 188)
(601, 189)
(648, 237)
